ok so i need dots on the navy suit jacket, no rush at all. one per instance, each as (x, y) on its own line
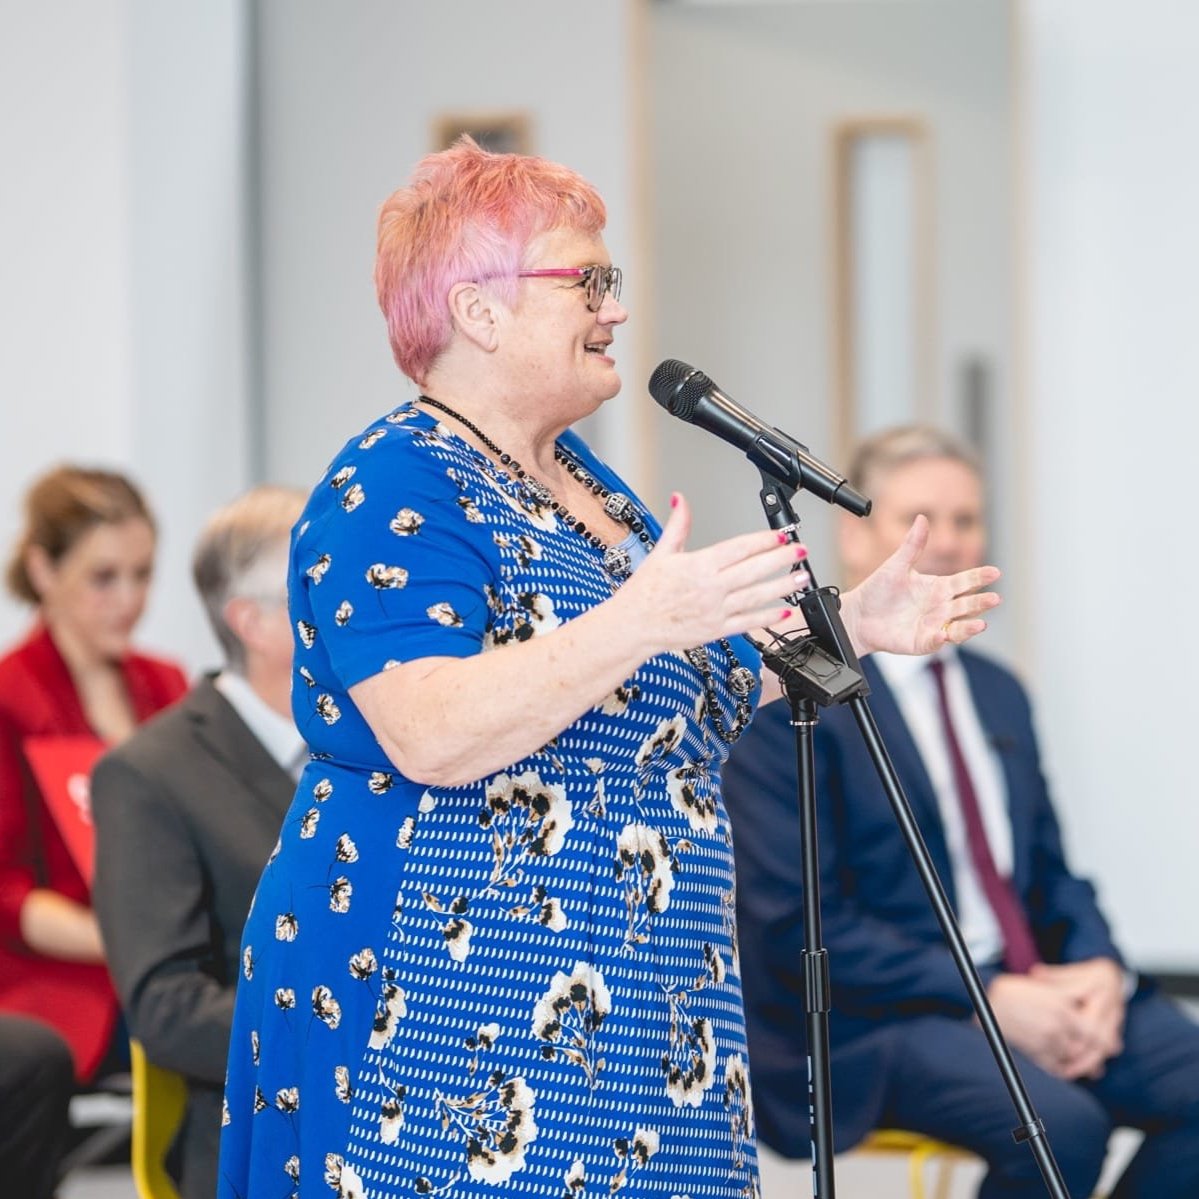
(888, 960)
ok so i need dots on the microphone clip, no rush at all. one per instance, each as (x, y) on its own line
(820, 664)
(808, 671)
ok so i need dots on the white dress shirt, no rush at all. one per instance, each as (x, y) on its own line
(915, 692)
(278, 734)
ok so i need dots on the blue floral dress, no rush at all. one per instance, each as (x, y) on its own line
(527, 985)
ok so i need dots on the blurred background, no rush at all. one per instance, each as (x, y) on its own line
(848, 212)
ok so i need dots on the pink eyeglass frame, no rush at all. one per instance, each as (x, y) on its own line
(609, 280)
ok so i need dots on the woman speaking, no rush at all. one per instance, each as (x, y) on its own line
(494, 952)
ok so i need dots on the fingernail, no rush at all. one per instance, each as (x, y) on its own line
(783, 538)
(801, 552)
(786, 612)
(674, 499)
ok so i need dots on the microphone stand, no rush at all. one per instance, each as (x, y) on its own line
(819, 667)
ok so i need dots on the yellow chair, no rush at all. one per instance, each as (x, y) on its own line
(159, 1097)
(919, 1150)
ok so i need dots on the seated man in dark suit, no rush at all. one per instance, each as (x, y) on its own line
(187, 812)
(1096, 1046)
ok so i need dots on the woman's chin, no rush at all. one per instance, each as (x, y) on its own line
(609, 389)
(112, 646)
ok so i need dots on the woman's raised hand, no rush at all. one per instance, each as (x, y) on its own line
(682, 598)
(901, 611)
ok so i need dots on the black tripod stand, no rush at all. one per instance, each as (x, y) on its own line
(820, 668)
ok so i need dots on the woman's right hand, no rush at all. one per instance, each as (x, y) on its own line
(682, 598)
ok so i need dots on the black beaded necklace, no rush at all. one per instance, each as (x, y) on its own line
(617, 561)
(618, 564)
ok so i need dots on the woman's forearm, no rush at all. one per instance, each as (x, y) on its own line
(446, 721)
(58, 927)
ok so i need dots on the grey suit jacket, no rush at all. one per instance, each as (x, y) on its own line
(187, 812)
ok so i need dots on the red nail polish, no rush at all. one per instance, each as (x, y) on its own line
(801, 552)
(783, 538)
(674, 500)
(786, 614)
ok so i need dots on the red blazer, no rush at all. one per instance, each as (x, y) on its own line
(38, 697)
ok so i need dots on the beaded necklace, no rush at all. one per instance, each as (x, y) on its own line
(619, 507)
(618, 564)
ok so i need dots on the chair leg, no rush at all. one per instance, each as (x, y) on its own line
(916, 1160)
(944, 1177)
(95, 1147)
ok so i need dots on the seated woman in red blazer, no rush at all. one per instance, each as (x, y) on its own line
(84, 560)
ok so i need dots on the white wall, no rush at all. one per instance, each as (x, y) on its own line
(1112, 255)
(120, 296)
(65, 361)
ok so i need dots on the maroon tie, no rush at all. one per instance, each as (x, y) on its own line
(1019, 950)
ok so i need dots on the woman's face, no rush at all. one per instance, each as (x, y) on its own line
(562, 349)
(96, 592)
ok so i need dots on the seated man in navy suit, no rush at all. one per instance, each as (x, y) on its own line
(1096, 1046)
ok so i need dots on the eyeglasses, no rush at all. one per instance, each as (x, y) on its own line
(597, 281)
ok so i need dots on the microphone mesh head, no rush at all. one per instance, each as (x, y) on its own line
(678, 387)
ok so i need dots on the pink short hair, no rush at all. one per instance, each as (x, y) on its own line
(468, 214)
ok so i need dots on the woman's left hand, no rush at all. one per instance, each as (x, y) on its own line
(900, 611)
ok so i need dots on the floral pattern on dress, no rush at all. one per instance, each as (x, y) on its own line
(525, 819)
(647, 866)
(568, 1017)
(496, 1123)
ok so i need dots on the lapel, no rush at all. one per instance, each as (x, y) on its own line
(146, 686)
(65, 712)
(996, 718)
(913, 776)
(223, 735)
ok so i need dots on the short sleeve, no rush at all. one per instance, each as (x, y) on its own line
(393, 560)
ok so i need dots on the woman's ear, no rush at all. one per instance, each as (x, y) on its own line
(40, 569)
(474, 315)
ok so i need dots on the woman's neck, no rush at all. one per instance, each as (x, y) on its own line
(530, 443)
(98, 681)
(83, 660)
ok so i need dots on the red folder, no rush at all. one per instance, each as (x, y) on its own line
(62, 767)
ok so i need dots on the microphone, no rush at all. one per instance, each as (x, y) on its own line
(691, 396)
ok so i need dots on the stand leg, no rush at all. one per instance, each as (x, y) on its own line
(815, 959)
(1030, 1128)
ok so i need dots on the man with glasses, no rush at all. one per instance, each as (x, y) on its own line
(186, 813)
